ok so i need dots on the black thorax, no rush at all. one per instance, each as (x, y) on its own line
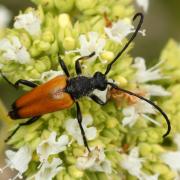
(81, 86)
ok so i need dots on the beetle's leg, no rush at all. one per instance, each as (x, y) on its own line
(77, 63)
(21, 81)
(30, 121)
(25, 82)
(79, 118)
(97, 99)
(63, 66)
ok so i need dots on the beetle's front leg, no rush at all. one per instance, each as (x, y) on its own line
(63, 66)
(77, 63)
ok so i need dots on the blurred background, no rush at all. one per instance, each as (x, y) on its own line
(161, 23)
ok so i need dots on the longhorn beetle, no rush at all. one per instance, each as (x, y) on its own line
(63, 91)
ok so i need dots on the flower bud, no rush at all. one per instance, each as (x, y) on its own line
(71, 159)
(74, 172)
(145, 149)
(48, 36)
(161, 168)
(64, 20)
(44, 46)
(40, 66)
(25, 39)
(69, 43)
(154, 137)
(85, 4)
(120, 80)
(64, 5)
(142, 136)
(78, 152)
(107, 55)
(34, 74)
(111, 123)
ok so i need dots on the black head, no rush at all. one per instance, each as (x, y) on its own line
(100, 81)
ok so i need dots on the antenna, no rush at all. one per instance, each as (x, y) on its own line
(148, 101)
(128, 43)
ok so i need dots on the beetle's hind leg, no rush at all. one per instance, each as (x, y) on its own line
(20, 81)
(30, 121)
(78, 65)
(79, 118)
(25, 82)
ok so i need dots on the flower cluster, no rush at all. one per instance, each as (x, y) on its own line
(125, 135)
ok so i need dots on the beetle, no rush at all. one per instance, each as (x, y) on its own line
(63, 91)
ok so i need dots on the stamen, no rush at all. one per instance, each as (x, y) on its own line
(40, 165)
(151, 120)
(2, 169)
(143, 32)
(18, 175)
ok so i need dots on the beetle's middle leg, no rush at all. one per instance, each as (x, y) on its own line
(30, 121)
(97, 99)
(79, 118)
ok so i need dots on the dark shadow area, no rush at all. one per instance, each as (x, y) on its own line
(161, 23)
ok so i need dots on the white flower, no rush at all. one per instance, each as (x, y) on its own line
(31, 22)
(132, 163)
(94, 161)
(49, 170)
(93, 44)
(5, 17)
(155, 90)
(143, 74)
(48, 75)
(133, 112)
(101, 94)
(51, 146)
(120, 30)
(172, 158)
(144, 4)
(13, 50)
(72, 127)
(18, 160)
